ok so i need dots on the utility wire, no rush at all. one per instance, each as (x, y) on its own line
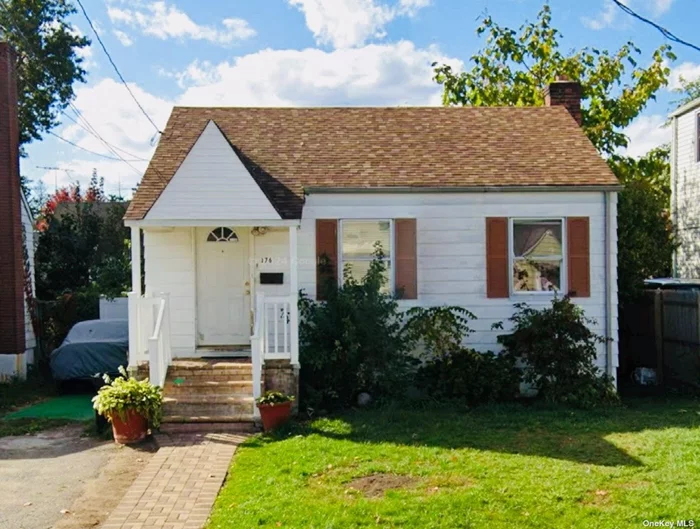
(121, 77)
(87, 150)
(666, 33)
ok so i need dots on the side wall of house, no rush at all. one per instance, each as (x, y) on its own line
(451, 251)
(686, 198)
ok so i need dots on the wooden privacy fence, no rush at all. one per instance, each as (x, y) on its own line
(662, 331)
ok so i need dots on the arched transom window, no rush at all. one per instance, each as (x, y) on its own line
(222, 235)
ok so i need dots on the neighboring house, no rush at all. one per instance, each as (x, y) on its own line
(239, 205)
(17, 340)
(685, 187)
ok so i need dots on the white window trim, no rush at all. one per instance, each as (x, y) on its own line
(392, 257)
(511, 259)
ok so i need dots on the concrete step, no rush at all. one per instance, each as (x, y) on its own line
(207, 405)
(203, 385)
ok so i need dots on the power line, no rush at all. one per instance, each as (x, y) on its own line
(88, 150)
(666, 33)
(89, 131)
(121, 77)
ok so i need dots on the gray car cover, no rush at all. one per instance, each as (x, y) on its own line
(92, 348)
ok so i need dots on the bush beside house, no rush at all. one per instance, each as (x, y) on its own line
(359, 341)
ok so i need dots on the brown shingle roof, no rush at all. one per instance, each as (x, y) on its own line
(290, 149)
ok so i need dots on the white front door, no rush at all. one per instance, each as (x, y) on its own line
(223, 288)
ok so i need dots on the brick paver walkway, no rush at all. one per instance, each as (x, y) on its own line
(178, 487)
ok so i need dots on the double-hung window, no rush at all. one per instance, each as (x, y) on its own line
(358, 240)
(537, 255)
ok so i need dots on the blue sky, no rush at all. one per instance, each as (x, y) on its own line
(307, 52)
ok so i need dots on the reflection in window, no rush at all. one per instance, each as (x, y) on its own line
(222, 235)
(537, 255)
(359, 238)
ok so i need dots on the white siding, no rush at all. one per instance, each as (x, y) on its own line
(687, 199)
(28, 227)
(212, 184)
(169, 260)
(170, 267)
(452, 248)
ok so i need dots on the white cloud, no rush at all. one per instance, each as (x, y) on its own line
(120, 124)
(348, 23)
(659, 7)
(646, 133)
(123, 37)
(164, 21)
(609, 12)
(386, 74)
(687, 70)
(390, 74)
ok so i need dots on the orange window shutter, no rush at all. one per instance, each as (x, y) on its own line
(579, 256)
(497, 277)
(406, 259)
(326, 254)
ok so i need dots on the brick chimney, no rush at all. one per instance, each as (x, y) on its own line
(11, 255)
(566, 93)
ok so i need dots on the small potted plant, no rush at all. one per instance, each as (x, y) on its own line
(275, 408)
(130, 405)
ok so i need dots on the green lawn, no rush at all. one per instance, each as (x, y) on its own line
(495, 467)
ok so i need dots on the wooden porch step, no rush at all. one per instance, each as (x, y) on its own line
(205, 385)
(177, 425)
(208, 406)
(208, 419)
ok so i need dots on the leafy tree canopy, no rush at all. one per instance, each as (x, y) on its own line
(515, 66)
(688, 91)
(48, 60)
(646, 240)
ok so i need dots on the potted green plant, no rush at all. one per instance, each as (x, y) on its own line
(275, 408)
(130, 405)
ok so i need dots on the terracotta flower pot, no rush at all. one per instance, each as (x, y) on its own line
(132, 429)
(274, 415)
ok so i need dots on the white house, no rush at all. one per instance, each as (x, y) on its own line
(477, 207)
(685, 187)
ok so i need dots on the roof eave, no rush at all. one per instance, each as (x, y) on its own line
(686, 108)
(465, 189)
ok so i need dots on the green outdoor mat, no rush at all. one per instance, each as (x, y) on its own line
(73, 407)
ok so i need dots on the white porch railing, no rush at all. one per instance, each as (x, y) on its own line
(275, 334)
(149, 334)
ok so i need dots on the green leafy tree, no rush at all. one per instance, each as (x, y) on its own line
(515, 67)
(646, 240)
(688, 91)
(48, 60)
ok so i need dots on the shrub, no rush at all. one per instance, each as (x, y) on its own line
(438, 331)
(352, 342)
(274, 397)
(122, 394)
(558, 350)
(470, 376)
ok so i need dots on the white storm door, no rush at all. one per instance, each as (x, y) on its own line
(223, 288)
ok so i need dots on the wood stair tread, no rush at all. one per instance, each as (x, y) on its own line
(243, 417)
(209, 399)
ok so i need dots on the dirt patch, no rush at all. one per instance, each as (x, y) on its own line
(376, 485)
(597, 498)
(93, 506)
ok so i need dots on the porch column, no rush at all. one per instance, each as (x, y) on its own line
(136, 260)
(294, 294)
(135, 297)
